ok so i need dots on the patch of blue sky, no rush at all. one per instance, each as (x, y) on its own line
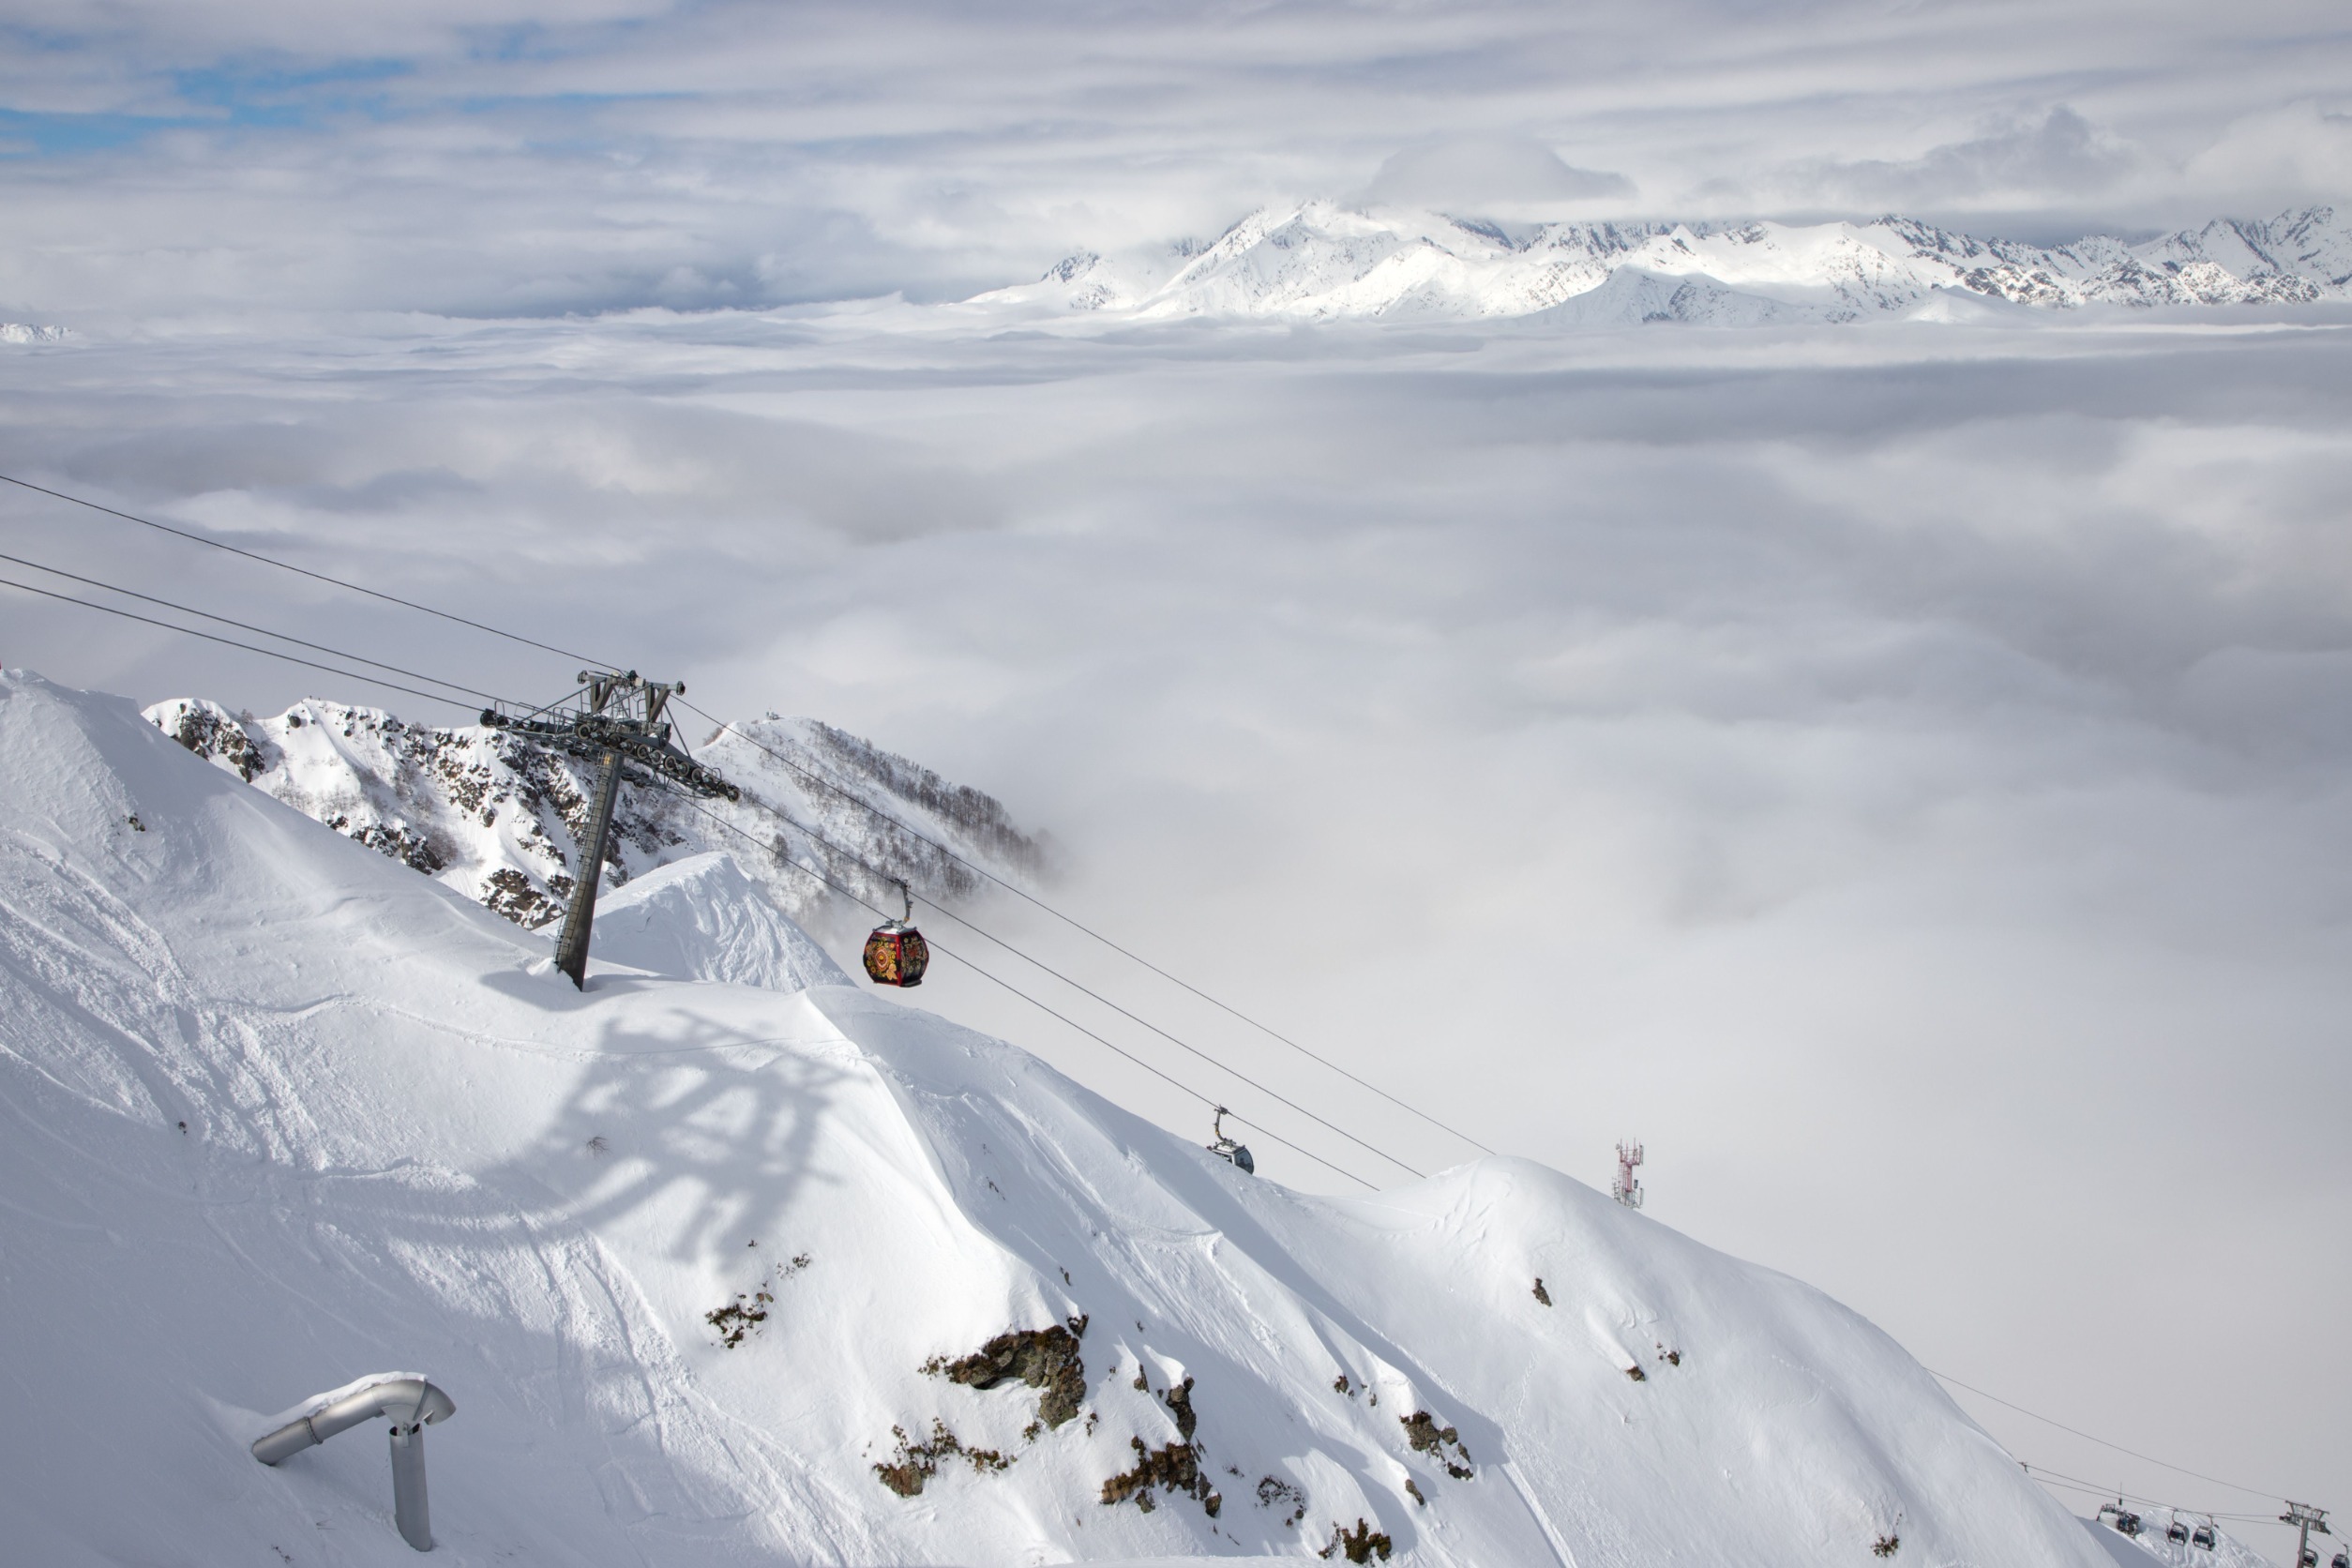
(249, 93)
(30, 134)
(238, 85)
(229, 95)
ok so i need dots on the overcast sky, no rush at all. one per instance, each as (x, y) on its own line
(519, 154)
(1897, 770)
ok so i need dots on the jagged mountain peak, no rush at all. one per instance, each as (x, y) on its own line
(498, 819)
(1325, 260)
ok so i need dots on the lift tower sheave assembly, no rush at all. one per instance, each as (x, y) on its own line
(2305, 1518)
(612, 721)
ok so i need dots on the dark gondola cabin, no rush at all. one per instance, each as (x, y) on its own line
(896, 953)
(1225, 1148)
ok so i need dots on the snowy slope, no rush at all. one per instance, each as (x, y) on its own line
(281, 1112)
(1322, 260)
(702, 919)
(499, 819)
(2150, 1549)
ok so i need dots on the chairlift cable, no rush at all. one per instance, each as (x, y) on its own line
(446, 615)
(1173, 1083)
(2049, 1477)
(817, 777)
(229, 642)
(435, 697)
(2251, 1491)
(304, 571)
(788, 821)
(2060, 1478)
(245, 625)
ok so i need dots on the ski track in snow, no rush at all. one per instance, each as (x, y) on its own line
(279, 1111)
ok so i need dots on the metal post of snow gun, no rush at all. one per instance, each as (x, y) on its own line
(412, 1404)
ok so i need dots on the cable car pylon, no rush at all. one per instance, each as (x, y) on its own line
(613, 719)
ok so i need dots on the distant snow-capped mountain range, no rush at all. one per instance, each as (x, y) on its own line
(1322, 260)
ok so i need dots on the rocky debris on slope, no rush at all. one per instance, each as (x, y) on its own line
(1323, 260)
(1427, 1437)
(1172, 1467)
(1046, 1359)
(1359, 1545)
(914, 1463)
(498, 819)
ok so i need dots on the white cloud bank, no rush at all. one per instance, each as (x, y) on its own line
(1491, 176)
(1888, 772)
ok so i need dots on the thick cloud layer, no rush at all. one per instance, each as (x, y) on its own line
(1890, 771)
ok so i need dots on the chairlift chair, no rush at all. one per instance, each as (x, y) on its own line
(2120, 1518)
(2311, 1559)
(2343, 1559)
(2176, 1531)
(896, 953)
(1225, 1148)
(2201, 1537)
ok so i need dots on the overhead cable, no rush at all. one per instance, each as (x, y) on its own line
(1175, 1083)
(788, 821)
(2149, 1458)
(233, 642)
(817, 777)
(243, 626)
(2076, 1483)
(304, 571)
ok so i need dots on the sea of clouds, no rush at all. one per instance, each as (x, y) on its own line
(1898, 772)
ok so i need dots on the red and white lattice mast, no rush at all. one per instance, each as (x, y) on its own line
(1626, 1190)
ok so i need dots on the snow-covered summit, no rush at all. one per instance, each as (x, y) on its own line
(701, 918)
(1324, 260)
(499, 819)
(720, 1274)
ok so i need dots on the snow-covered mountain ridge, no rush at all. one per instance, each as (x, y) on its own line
(500, 820)
(1322, 260)
(279, 1113)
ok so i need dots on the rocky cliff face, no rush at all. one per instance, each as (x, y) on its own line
(501, 819)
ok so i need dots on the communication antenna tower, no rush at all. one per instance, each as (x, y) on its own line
(1626, 1190)
(610, 720)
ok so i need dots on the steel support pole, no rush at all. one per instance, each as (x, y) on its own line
(571, 946)
(409, 1510)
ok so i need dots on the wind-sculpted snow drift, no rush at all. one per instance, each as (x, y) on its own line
(1326, 260)
(722, 1273)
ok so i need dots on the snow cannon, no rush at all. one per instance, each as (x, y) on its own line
(896, 953)
(412, 1405)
